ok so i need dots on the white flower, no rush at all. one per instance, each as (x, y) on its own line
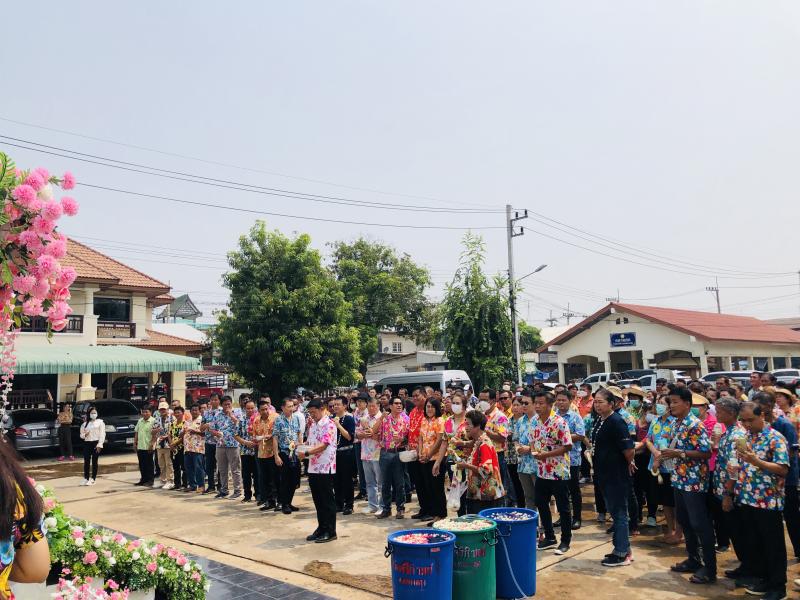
(112, 561)
(98, 543)
(46, 193)
(40, 488)
(106, 538)
(50, 522)
(207, 586)
(161, 570)
(136, 556)
(77, 528)
(79, 542)
(187, 567)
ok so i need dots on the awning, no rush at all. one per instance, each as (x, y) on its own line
(51, 359)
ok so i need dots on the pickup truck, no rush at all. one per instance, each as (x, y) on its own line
(134, 389)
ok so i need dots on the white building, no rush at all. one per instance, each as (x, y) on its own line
(627, 336)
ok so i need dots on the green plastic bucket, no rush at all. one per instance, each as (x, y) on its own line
(474, 573)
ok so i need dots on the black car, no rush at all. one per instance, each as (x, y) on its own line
(31, 428)
(119, 416)
(134, 389)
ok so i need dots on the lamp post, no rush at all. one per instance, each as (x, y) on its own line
(515, 326)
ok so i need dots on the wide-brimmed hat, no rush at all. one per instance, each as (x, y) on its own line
(163, 405)
(636, 391)
(785, 392)
(698, 400)
(615, 391)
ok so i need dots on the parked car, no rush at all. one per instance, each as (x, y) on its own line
(742, 377)
(787, 376)
(598, 379)
(31, 428)
(438, 380)
(119, 416)
(134, 389)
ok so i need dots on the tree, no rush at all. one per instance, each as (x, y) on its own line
(288, 321)
(529, 337)
(474, 318)
(384, 291)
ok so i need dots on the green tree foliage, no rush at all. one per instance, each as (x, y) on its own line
(529, 337)
(384, 291)
(474, 319)
(288, 324)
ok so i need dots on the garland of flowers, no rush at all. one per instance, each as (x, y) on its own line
(34, 284)
(88, 554)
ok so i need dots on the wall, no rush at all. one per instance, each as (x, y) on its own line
(387, 338)
(81, 303)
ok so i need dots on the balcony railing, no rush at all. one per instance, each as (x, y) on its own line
(39, 325)
(116, 329)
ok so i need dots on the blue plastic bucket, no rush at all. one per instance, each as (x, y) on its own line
(516, 552)
(421, 570)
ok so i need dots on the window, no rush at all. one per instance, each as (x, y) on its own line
(778, 362)
(397, 347)
(714, 363)
(592, 379)
(795, 362)
(761, 363)
(112, 309)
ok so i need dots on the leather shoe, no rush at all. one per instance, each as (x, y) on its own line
(325, 537)
(383, 514)
(286, 510)
(313, 537)
(419, 515)
(576, 524)
(347, 511)
(293, 507)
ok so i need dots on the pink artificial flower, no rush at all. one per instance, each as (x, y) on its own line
(70, 206)
(58, 324)
(77, 534)
(43, 173)
(40, 289)
(118, 538)
(196, 576)
(159, 548)
(57, 248)
(112, 584)
(90, 558)
(47, 265)
(52, 210)
(23, 283)
(56, 312)
(49, 504)
(68, 181)
(60, 294)
(67, 276)
(35, 180)
(29, 238)
(136, 543)
(32, 308)
(172, 553)
(24, 194)
(12, 212)
(181, 560)
(151, 567)
(42, 225)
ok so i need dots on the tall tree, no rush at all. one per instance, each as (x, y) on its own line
(529, 337)
(384, 289)
(288, 320)
(474, 319)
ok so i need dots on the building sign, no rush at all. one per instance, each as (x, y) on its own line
(621, 340)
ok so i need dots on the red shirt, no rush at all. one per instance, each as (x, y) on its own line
(414, 423)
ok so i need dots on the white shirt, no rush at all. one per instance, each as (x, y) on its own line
(94, 431)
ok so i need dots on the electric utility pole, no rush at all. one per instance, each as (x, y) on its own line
(569, 314)
(512, 293)
(715, 290)
(552, 320)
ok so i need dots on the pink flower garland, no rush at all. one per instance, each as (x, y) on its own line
(34, 284)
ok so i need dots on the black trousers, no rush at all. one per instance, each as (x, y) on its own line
(733, 525)
(179, 469)
(586, 468)
(324, 502)
(289, 478)
(267, 479)
(633, 507)
(691, 511)
(718, 520)
(146, 469)
(211, 466)
(764, 547)
(520, 493)
(644, 485)
(65, 439)
(473, 507)
(599, 500)
(791, 514)
(249, 477)
(435, 501)
(416, 480)
(545, 490)
(89, 456)
(575, 492)
(343, 479)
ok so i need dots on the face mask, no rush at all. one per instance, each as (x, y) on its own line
(93, 416)
(483, 406)
(457, 409)
(649, 417)
(582, 394)
(661, 409)
(634, 403)
(352, 406)
(695, 411)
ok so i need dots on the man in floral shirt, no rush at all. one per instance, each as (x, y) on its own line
(229, 463)
(247, 450)
(690, 449)
(759, 491)
(550, 446)
(321, 469)
(392, 434)
(211, 443)
(578, 435)
(521, 437)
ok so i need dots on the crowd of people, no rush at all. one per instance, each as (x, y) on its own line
(719, 460)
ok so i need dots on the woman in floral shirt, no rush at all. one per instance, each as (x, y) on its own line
(484, 483)
(434, 505)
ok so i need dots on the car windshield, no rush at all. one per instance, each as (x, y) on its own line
(116, 409)
(32, 415)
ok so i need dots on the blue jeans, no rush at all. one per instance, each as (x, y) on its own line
(195, 464)
(372, 481)
(615, 494)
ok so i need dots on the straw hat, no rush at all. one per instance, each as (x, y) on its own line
(698, 400)
(636, 391)
(615, 391)
(785, 392)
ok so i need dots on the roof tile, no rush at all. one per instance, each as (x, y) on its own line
(93, 265)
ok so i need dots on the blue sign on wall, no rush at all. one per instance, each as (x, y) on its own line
(620, 340)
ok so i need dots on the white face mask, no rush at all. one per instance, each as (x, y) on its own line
(92, 415)
(483, 406)
(352, 406)
(457, 409)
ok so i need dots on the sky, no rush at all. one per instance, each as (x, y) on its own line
(655, 143)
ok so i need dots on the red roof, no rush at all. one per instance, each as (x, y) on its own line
(702, 325)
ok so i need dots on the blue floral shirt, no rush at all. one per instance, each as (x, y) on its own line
(229, 427)
(629, 419)
(660, 434)
(757, 487)
(691, 474)
(287, 432)
(244, 429)
(725, 452)
(522, 435)
(575, 424)
(208, 418)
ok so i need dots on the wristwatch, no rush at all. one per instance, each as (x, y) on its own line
(683, 453)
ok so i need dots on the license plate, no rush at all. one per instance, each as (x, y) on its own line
(129, 441)
(40, 433)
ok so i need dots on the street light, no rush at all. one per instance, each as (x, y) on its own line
(513, 302)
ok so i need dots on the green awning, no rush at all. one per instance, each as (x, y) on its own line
(51, 359)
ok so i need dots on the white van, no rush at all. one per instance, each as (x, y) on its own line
(438, 380)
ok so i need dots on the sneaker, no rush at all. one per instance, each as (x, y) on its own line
(545, 543)
(721, 549)
(401, 514)
(775, 595)
(60, 459)
(157, 484)
(85, 482)
(613, 560)
(235, 495)
(364, 511)
(90, 482)
(562, 549)
(651, 522)
(583, 480)
(384, 514)
(601, 517)
(169, 486)
(377, 512)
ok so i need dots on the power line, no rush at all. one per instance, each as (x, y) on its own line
(232, 185)
(223, 164)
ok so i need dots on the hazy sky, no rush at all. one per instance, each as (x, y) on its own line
(671, 128)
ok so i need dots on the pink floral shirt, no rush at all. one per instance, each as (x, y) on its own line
(322, 432)
(394, 432)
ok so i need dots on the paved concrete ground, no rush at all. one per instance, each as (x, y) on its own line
(353, 567)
